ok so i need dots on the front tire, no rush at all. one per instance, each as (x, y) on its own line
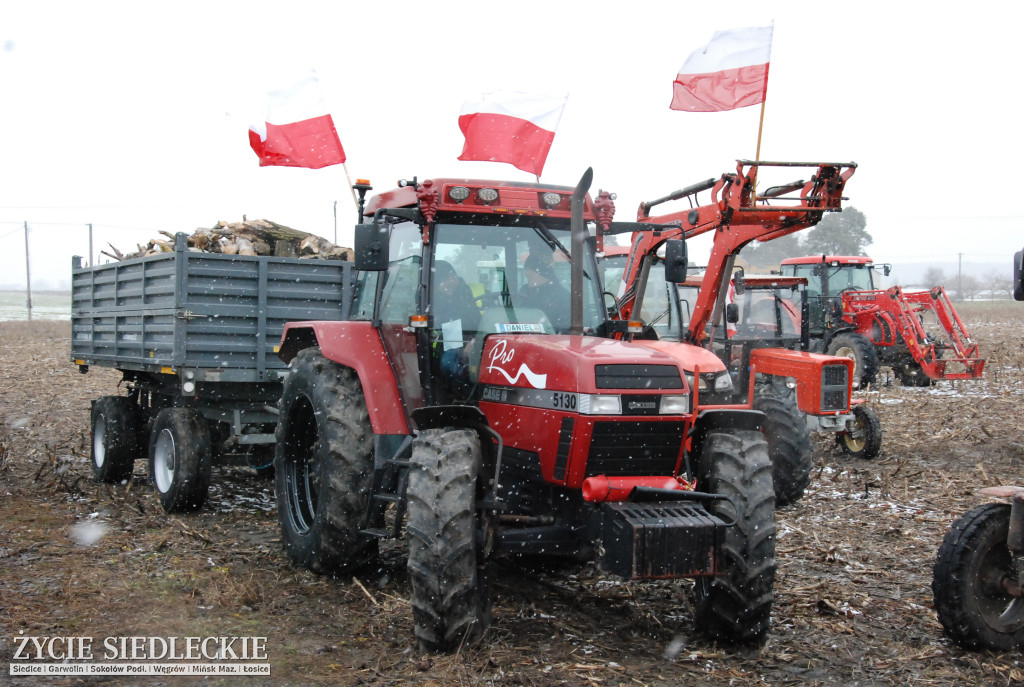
(736, 605)
(913, 375)
(324, 466)
(864, 438)
(974, 609)
(179, 459)
(114, 426)
(789, 447)
(451, 600)
(861, 351)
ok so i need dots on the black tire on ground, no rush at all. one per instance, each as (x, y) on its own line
(789, 447)
(736, 606)
(862, 352)
(179, 459)
(865, 439)
(324, 466)
(451, 596)
(972, 605)
(115, 443)
(912, 374)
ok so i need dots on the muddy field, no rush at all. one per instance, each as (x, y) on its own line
(853, 599)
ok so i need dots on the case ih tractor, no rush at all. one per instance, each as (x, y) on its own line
(478, 405)
(794, 388)
(917, 333)
(978, 578)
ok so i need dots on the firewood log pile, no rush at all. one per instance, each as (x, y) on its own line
(248, 237)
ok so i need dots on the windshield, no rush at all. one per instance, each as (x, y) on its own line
(767, 314)
(505, 279)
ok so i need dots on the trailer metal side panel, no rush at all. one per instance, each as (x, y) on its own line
(218, 316)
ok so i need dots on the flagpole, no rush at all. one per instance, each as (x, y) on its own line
(352, 188)
(760, 129)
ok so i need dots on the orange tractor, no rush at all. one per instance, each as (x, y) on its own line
(917, 333)
(752, 325)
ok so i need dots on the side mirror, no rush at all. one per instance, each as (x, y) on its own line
(732, 313)
(886, 269)
(1018, 276)
(372, 247)
(675, 260)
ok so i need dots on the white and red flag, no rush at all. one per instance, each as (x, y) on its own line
(297, 130)
(729, 72)
(512, 127)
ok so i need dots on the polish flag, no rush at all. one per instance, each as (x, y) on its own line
(513, 127)
(729, 72)
(297, 130)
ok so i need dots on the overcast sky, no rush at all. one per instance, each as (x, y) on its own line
(130, 115)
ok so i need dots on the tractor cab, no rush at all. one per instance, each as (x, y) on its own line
(828, 277)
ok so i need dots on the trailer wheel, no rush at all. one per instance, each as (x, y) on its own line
(324, 466)
(864, 439)
(115, 444)
(179, 459)
(912, 374)
(789, 447)
(973, 607)
(736, 605)
(451, 599)
(861, 351)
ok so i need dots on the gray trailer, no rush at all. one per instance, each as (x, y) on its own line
(195, 337)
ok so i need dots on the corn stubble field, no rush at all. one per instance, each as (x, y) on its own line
(853, 598)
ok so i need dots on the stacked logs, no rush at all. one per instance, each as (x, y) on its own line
(248, 237)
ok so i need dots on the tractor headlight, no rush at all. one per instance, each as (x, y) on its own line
(674, 405)
(723, 382)
(600, 404)
(487, 195)
(551, 199)
(458, 193)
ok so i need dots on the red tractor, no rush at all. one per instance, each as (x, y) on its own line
(917, 333)
(978, 578)
(479, 404)
(750, 325)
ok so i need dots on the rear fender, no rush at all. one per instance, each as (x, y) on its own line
(356, 345)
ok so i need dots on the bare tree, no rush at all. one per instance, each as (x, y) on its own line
(933, 276)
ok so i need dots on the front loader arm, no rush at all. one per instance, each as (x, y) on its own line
(737, 220)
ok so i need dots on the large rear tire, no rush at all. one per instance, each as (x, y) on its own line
(451, 599)
(861, 351)
(789, 447)
(115, 424)
(972, 605)
(324, 466)
(864, 439)
(179, 459)
(736, 606)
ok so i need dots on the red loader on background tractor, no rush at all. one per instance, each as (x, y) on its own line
(978, 578)
(917, 333)
(479, 404)
(765, 374)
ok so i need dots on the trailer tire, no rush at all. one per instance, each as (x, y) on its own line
(862, 352)
(789, 447)
(324, 466)
(974, 609)
(735, 606)
(451, 596)
(865, 440)
(180, 454)
(115, 438)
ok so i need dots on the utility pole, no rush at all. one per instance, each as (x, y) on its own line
(28, 277)
(335, 222)
(91, 263)
(960, 277)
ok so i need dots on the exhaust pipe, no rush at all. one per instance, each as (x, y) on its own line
(578, 240)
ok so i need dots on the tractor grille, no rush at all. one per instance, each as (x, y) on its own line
(634, 448)
(638, 377)
(834, 386)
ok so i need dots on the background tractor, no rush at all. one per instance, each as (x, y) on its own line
(978, 577)
(917, 333)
